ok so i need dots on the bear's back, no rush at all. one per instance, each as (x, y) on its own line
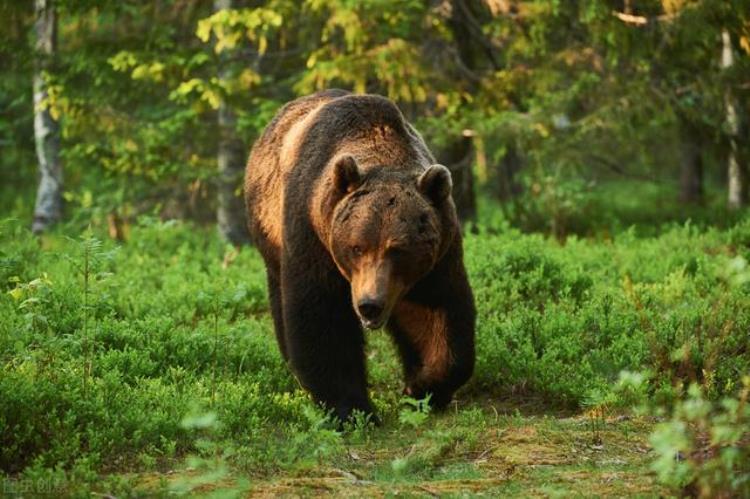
(271, 158)
(306, 133)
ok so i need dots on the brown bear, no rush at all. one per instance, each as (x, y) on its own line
(357, 228)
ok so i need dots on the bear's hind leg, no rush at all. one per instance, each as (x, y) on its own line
(274, 297)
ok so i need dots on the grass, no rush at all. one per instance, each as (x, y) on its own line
(474, 451)
(150, 367)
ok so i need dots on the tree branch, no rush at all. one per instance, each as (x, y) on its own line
(642, 20)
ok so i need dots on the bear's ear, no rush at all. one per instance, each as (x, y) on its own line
(436, 183)
(346, 176)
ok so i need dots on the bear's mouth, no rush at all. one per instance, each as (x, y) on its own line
(372, 324)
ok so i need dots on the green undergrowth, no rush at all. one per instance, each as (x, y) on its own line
(565, 320)
(151, 365)
(571, 206)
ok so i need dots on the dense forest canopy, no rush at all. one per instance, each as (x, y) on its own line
(546, 101)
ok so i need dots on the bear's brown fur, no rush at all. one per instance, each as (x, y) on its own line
(357, 228)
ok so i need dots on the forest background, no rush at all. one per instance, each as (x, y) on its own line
(599, 152)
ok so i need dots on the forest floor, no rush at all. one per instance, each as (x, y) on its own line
(151, 369)
(521, 451)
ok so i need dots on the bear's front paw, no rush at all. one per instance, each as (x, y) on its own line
(439, 398)
(355, 413)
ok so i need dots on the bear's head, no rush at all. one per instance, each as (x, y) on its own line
(387, 231)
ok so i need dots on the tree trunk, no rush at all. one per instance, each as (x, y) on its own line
(231, 154)
(736, 174)
(458, 157)
(458, 154)
(471, 41)
(508, 186)
(48, 208)
(691, 166)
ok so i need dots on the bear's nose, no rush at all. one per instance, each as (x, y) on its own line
(370, 310)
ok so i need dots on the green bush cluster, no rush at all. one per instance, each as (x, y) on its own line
(564, 320)
(108, 372)
(106, 349)
(703, 449)
(562, 206)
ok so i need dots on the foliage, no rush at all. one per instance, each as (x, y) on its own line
(566, 320)
(178, 325)
(704, 448)
(415, 412)
(580, 96)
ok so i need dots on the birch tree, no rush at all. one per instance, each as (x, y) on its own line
(736, 176)
(231, 157)
(48, 208)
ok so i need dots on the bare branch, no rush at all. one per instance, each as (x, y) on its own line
(642, 20)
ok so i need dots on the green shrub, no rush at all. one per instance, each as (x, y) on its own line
(704, 448)
(565, 320)
(99, 372)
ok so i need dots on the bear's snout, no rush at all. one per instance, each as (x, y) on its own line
(371, 312)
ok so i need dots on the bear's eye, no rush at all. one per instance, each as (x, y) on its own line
(356, 250)
(397, 252)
